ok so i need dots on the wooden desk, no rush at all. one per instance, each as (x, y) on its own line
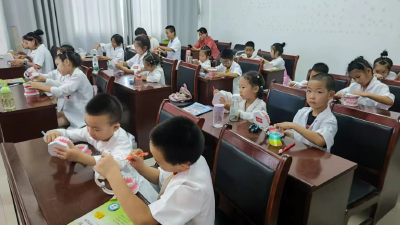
(30, 117)
(88, 62)
(206, 92)
(270, 75)
(49, 190)
(140, 106)
(7, 72)
(318, 186)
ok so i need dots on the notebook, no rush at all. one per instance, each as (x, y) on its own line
(197, 109)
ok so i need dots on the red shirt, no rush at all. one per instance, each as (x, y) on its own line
(210, 43)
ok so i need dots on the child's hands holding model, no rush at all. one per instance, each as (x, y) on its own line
(35, 85)
(360, 93)
(107, 166)
(52, 135)
(71, 154)
(196, 61)
(287, 126)
(40, 78)
(379, 76)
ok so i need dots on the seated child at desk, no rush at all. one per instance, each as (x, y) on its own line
(187, 195)
(251, 95)
(153, 63)
(173, 50)
(114, 50)
(316, 69)
(371, 91)
(249, 51)
(103, 131)
(153, 41)
(277, 60)
(315, 125)
(142, 47)
(229, 68)
(382, 67)
(73, 94)
(204, 58)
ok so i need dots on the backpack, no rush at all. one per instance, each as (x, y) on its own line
(181, 96)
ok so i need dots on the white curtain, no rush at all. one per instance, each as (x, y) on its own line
(46, 20)
(183, 14)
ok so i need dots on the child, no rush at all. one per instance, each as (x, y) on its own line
(153, 63)
(251, 95)
(382, 67)
(114, 50)
(204, 58)
(38, 56)
(316, 69)
(249, 51)
(142, 46)
(153, 41)
(371, 91)
(173, 51)
(73, 95)
(315, 125)
(103, 131)
(277, 60)
(187, 195)
(229, 68)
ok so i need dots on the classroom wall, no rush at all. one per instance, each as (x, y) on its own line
(4, 40)
(334, 32)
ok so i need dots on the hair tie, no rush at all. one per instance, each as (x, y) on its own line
(258, 76)
(261, 86)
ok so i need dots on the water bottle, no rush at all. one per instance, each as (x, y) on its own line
(234, 110)
(188, 53)
(138, 83)
(218, 115)
(7, 97)
(95, 63)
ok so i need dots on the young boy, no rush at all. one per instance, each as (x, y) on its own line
(103, 131)
(173, 51)
(316, 69)
(186, 195)
(249, 51)
(229, 68)
(315, 125)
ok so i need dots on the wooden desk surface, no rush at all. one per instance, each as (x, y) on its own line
(49, 190)
(204, 79)
(312, 167)
(7, 72)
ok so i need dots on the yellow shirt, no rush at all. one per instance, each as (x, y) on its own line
(227, 70)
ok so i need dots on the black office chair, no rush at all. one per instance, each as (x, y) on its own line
(129, 54)
(183, 53)
(291, 64)
(341, 81)
(266, 55)
(238, 47)
(188, 74)
(104, 83)
(250, 65)
(169, 67)
(394, 88)
(223, 45)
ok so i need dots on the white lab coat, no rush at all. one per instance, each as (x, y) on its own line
(55, 79)
(176, 49)
(235, 68)
(156, 76)
(114, 53)
(391, 76)
(254, 56)
(206, 64)
(325, 124)
(73, 95)
(119, 146)
(42, 57)
(374, 87)
(278, 63)
(247, 114)
(137, 59)
(297, 84)
(188, 198)
(153, 44)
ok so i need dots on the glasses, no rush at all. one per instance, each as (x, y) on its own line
(225, 62)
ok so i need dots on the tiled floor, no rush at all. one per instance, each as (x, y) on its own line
(7, 213)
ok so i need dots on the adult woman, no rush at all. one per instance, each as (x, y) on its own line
(204, 40)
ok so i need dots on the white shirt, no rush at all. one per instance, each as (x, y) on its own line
(299, 84)
(206, 64)
(254, 56)
(137, 59)
(247, 114)
(176, 49)
(325, 124)
(55, 79)
(114, 53)
(153, 43)
(375, 87)
(42, 57)
(73, 96)
(188, 198)
(391, 75)
(156, 76)
(278, 63)
(235, 68)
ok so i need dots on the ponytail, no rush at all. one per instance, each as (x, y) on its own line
(72, 56)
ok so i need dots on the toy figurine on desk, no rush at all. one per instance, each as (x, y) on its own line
(261, 121)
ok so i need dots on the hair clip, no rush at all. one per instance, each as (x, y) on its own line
(258, 76)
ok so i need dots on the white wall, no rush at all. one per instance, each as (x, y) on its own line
(4, 39)
(334, 32)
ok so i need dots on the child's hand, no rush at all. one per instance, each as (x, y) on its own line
(107, 166)
(34, 85)
(195, 61)
(378, 76)
(21, 53)
(119, 65)
(144, 77)
(360, 93)
(227, 103)
(338, 95)
(285, 125)
(137, 162)
(17, 63)
(71, 154)
(216, 91)
(40, 78)
(52, 135)
(292, 83)
(219, 74)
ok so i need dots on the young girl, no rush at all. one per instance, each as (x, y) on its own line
(73, 95)
(142, 47)
(38, 55)
(277, 60)
(153, 64)
(114, 50)
(382, 67)
(204, 58)
(251, 94)
(371, 91)
(153, 41)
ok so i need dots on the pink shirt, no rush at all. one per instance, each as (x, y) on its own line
(210, 43)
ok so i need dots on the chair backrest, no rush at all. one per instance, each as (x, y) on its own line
(168, 110)
(250, 65)
(163, 44)
(188, 74)
(291, 64)
(266, 55)
(396, 69)
(223, 45)
(251, 178)
(183, 53)
(283, 102)
(88, 71)
(239, 47)
(394, 88)
(169, 67)
(341, 81)
(365, 138)
(53, 52)
(129, 54)
(104, 83)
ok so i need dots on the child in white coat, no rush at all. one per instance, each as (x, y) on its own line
(316, 69)
(251, 94)
(315, 125)
(277, 60)
(142, 47)
(113, 50)
(153, 64)
(204, 58)
(73, 95)
(382, 67)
